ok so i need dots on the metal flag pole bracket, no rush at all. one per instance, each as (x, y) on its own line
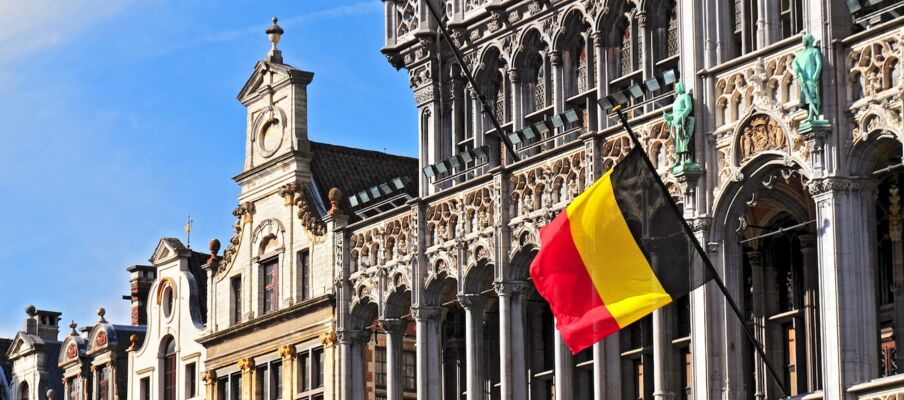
(778, 232)
(716, 277)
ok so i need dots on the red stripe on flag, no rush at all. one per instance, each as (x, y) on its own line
(560, 276)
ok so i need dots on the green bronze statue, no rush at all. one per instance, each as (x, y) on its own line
(807, 69)
(681, 129)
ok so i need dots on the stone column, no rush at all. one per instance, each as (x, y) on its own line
(847, 307)
(663, 364)
(754, 258)
(512, 355)
(429, 334)
(395, 333)
(564, 369)
(474, 308)
(811, 310)
(246, 365)
(287, 353)
(897, 262)
(353, 364)
(558, 81)
(210, 383)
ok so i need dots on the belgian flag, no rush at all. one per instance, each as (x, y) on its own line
(619, 251)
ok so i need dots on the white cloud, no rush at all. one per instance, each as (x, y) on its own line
(29, 26)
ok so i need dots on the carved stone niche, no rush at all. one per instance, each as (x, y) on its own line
(760, 133)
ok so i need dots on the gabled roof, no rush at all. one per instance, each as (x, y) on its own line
(353, 170)
(256, 80)
(168, 248)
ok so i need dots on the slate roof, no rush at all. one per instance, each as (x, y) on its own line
(353, 170)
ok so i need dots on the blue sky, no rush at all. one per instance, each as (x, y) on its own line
(118, 119)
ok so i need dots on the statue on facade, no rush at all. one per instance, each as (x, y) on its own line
(681, 130)
(807, 69)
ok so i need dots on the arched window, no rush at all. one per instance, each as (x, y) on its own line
(627, 52)
(499, 90)
(672, 34)
(168, 353)
(23, 391)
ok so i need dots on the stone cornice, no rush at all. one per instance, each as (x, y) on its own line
(270, 319)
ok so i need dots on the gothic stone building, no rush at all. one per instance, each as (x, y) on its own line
(823, 296)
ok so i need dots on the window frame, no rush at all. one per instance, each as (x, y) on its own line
(269, 268)
(310, 376)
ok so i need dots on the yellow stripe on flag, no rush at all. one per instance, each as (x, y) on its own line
(619, 270)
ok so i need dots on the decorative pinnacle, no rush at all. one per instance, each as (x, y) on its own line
(274, 33)
(72, 326)
(100, 313)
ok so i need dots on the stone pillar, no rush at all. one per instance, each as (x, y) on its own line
(210, 384)
(754, 259)
(847, 307)
(897, 262)
(353, 364)
(395, 333)
(474, 308)
(429, 356)
(811, 310)
(663, 364)
(564, 369)
(512, 355)
(558, 81)
(287, 353)
(246, 365)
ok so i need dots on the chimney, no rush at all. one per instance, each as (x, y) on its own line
(42, 323)
(140, 280)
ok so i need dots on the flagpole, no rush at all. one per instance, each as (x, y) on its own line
(690, 233)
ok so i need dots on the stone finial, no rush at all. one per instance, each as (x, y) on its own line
(274, 33)
(214, 247)
(72, 329)
(31, 310)
(133, 338)
(100, 313)
(50, 394)
(335, 197)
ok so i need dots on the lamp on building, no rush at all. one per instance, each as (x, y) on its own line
(377, 197)
(458, 162)
(638, 91)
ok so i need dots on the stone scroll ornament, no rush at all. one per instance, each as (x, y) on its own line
(681, 131)
(807, 68)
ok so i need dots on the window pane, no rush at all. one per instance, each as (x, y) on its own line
(222, 389)
(304, 266)
(317, 367)
(276, 380)
(235, 392)
(409, 370)
(190, 380)
(262, 383)
(304, 383)
(380, 367)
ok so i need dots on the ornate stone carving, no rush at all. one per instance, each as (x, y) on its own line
(308, 216)
(328, 339)
(246, 365)
(287, 352)
(760, 134)
(210, 377)
(426, 94)
(427, 313)
(834, 184)
(287, 192)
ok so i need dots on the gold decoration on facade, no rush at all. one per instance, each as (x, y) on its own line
(287, 352)
(328, 339)
(246, 364)
(287, 192)
(760, 134)
(209, 377)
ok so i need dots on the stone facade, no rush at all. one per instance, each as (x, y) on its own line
(164, 358)
(821, 295)
(32, 357)
(95, 364)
